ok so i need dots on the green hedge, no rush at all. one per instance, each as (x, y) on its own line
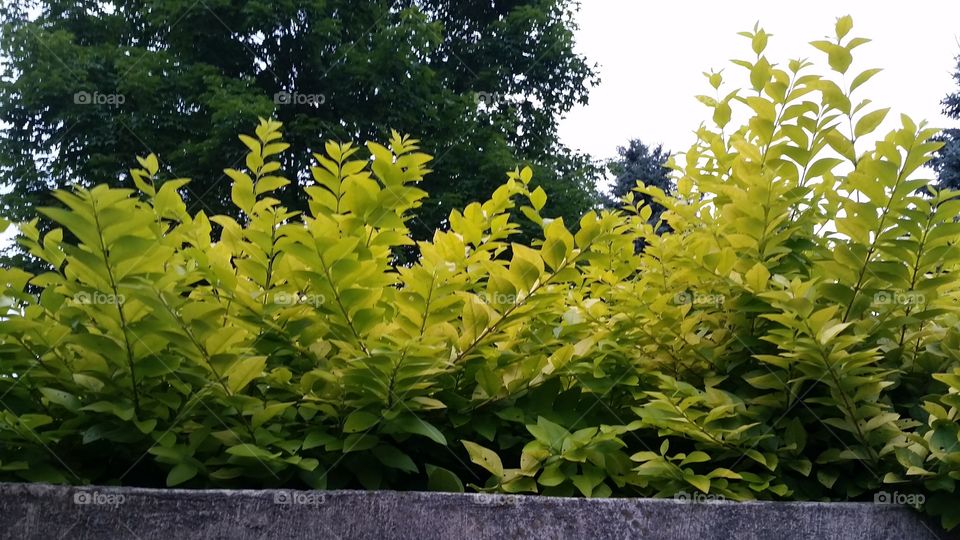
(793, 336)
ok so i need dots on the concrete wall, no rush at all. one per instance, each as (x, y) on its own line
(43, 511)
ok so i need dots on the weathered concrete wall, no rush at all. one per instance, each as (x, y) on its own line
(42, 511)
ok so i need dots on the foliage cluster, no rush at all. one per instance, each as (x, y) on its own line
(793, 335)
(95, 83)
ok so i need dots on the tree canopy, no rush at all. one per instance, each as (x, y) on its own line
(947, 160)
(638, 162)
(87, 85)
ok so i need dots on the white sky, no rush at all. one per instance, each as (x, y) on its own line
(651, 57)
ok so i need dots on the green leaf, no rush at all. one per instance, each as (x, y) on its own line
(391, 457)
(241, 193)
(270, 183)
(245, 450)
(440, 479)
(180, 474)
(417, 426)
(863, 77)
(123, 411)
(60, 397)
(270, 411)
(870, 122)
(243, 371)
(150, 163)
(700, 482)
(488, 459)
(360, 421)
(844, 25)
(538, 198)
(549, 433)
(251, 143)
(757, 277)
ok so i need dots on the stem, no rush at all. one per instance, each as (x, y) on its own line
(118, 302)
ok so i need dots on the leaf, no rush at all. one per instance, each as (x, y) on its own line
(488, 459)
(360, 421)
(241, 193)
(870, 122)
(838, 57)
(863, 77)
(270, 411)
(150, 163)
(250, 451)
(841, 144)
(270, 183)
(440, 479)
(243, 371)
(722, 114)
(391, 457)
(417, 426)
(829, 332)
(549, 433)
(538, 198)
(695, 457)
(700, 482)
(60, 397)
(821, 167)
(844, 25)
(757, 277)
(251, 143)
(180, 474)
(123, 411)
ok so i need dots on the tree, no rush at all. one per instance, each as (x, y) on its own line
(639, 162)
(88, 85)
(947, 160)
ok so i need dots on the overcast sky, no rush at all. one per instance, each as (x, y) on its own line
(651, 56)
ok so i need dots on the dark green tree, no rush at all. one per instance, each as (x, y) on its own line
(947, 160)
(87, 85)
(639, 162)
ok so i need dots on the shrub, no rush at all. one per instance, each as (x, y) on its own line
(793, 334)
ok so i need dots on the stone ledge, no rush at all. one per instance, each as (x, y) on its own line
(45, 511)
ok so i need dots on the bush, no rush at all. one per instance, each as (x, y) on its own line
(794, 334)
